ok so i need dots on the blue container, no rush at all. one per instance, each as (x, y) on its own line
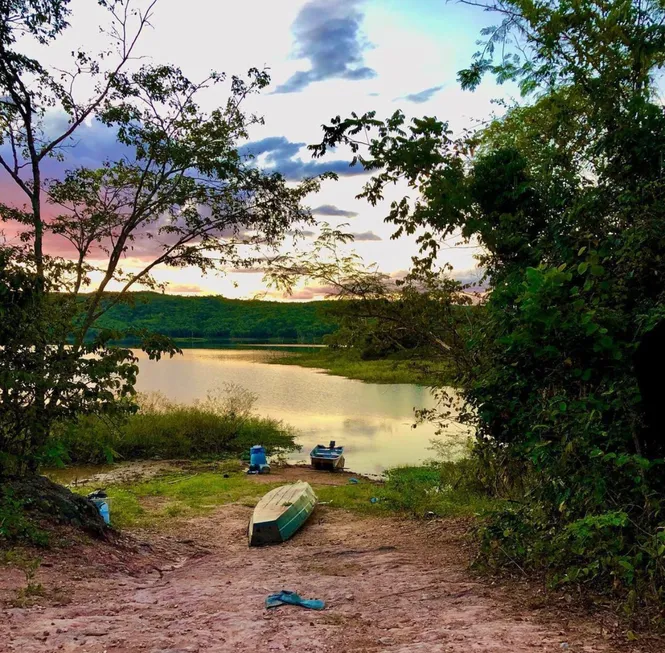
(257, 456)
(104, 510)
(258, 463)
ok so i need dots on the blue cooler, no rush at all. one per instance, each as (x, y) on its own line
(258, 463)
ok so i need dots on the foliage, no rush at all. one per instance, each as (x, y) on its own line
(565, 196)
(222, 425)
(177, 192)
(15, 526)
(218, 317)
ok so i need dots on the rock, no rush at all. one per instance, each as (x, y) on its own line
(46, 500)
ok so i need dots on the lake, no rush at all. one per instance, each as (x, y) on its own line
(372, 421)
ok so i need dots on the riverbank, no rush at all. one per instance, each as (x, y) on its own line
(394, 369)
(150, 494)
(188, 582)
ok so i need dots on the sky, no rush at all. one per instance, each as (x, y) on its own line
(326, 58)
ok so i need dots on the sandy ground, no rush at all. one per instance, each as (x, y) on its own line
(389, 585)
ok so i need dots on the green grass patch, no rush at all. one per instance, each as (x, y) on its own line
(159, 501)
(418, 492)
(394, 369)
(447, 489)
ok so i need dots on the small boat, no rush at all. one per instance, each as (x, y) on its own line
(280, 513)
(330, 457)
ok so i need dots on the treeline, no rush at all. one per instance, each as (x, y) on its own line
(218, 317)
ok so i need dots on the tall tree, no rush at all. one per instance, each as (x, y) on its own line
(565, 194)
(179, 189)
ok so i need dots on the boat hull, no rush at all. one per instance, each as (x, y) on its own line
(327, 463)
(280, 513)
(331, 457)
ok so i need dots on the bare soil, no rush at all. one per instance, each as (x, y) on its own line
(389, 585)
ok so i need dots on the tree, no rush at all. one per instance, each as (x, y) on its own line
(179, 189)
(565, 194)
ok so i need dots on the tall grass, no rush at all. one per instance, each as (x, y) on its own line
(221, 425)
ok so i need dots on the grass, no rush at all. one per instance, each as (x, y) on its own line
(416, 492)
(386, 370)
(221, 426)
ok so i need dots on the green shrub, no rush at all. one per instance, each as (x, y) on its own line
(615, 549)
(220, 426)
(444, 489)
(15, 526)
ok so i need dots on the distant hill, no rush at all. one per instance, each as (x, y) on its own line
(217, 317)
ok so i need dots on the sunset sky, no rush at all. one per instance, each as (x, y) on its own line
(326, 57)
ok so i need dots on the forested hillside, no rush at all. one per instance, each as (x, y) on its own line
(218, 317)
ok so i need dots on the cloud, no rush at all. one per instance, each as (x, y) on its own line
(366, 236)
(276, 147)
(471, 277)
(421, 96)
(312, 292)
(329, 209)
(279, 155)
(90, 146)
(327, 32)
(250, 270)
(184, 289)
(304, 233)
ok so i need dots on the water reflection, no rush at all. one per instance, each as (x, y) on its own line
(372, 421)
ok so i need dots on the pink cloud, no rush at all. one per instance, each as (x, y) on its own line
(184, 289)
(312, 292)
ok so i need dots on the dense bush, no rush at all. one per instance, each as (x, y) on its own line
(222, 425)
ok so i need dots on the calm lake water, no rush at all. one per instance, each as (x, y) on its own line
(372, 421)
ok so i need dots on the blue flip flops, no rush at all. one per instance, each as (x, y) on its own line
(291, 598)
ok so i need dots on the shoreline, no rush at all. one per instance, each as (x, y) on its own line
(391, 370)
(133, 471)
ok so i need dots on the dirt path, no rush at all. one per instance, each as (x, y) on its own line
(389, 585)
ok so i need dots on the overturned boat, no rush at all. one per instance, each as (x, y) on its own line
(280, 513)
